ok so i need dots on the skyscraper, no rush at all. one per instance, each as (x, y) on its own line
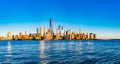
(59, 27)
(51, 23)
(37, 30)
(42, 31)
(94, 36)
(62, 28)
(79, 30)
(62, 31)
(25, 32)
(91, 36)
(20, 35)
(58, 34)
(9, 37)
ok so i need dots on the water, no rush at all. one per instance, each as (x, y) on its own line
(60, 52)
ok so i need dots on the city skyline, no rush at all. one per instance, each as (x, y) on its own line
(50, 34)
(100, 17)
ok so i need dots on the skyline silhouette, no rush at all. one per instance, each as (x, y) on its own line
(96, 16)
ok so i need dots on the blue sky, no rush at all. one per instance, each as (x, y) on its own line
(98, 16)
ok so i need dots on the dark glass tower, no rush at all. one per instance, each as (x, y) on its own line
(51, 23)
(59, 27)
(37, 30)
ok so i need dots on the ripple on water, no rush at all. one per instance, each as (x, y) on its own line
(60, 52)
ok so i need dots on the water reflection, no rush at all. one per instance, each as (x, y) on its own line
(90, 49)
(54, 52)
(9, 48)
(79, 47)
(42, 48)
(70, 45)
(50, 46)
(62, 46)
(58, 45)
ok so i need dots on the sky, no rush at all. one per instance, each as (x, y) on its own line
(97, 16)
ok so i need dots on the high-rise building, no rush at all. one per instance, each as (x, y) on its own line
(26, 36)
(37, 30)
(86, 36)
(79, 31)
(69, 33)
(62, 28)
(13, 37)
(9, 37)
(59, 27)
(94, 36)
(91, 36)
(25, 32)
(50, 30)
(72, 35)
(49, 34)
(20, 35)
(42, 31)
(62, 31)
(51, 23)
(58, 34)
(16, 37)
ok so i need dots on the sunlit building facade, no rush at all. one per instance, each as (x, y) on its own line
(48, 34)
(42, 31)
(9, 36)
(58, 34)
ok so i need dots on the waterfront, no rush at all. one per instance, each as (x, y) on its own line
(60, 52)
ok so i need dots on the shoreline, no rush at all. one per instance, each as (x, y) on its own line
(60, 40)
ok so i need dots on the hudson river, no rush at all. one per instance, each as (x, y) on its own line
(60, 52)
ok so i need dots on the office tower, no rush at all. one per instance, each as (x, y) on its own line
(16, 37)
(72, 35)
(69, 33)
(42, 31)
(37, 30)
(34, 36)
(59, 27)
(20, 35)
(91, 36)
(62, 28)
(79, 31)
(86, 36)
(51, 23)
(9, 37)
(49, 34)
(62, 31)
(13, 37)
(30, 36)
(94, 36)
(26, 36)
(58, 34)
(83, 36)
(25, 32)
